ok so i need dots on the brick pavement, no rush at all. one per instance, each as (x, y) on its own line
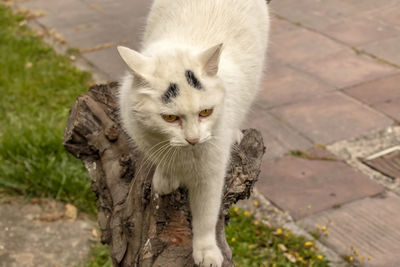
(334, 75)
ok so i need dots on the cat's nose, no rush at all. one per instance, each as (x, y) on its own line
(192, 141)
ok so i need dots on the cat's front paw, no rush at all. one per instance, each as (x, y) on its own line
(163, 185)
(208, 256)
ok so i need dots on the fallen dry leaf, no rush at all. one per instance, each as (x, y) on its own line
(71, 212)
(282, 247)
(290, 257)
(97, 47)
(49, 217)
(95, 233)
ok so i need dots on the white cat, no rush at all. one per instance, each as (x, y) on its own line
(186, 95)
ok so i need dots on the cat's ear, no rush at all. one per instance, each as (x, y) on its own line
(138, 64)
(210, 59)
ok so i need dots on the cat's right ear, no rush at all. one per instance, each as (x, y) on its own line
(139, 65)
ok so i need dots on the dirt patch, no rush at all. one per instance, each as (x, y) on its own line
(41, 232)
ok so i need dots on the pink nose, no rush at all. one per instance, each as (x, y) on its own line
(192, 141)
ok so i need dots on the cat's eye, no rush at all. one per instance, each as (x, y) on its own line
(205, 112)
(170, 118)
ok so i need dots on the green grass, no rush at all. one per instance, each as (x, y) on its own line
(254, 244)
(37, 89)
(100, 257)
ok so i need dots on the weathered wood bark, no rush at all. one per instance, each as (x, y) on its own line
(141, 228)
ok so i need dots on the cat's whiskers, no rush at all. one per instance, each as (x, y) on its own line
(152, 158)
(176, 156)
(151, 151)
(172, 161)
(164, 160)
(156, 158)
(215, 146)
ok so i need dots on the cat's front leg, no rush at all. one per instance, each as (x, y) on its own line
(205, 201)
(164, 184)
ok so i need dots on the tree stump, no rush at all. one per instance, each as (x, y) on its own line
(141, 228)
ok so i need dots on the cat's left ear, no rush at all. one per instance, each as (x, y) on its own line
(210, 59)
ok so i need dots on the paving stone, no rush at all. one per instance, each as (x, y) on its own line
(302, 45)
(312, 13)
(280, 26)
(370, 225)
(284, 85)
(371, 7)
(97, 34)
(87, 24)
(279, 138)
(359, 30)
(63, 14)
(304, 187)
(108, 61)
(382, 94)
(376, 91)
(390, 107)
(331, 117)
(390, 16)
(346, 68)
(387, 49)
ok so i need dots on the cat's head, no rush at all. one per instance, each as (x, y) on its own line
(175, 94)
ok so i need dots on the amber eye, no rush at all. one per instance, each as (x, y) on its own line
(170, 118)
(205, 113)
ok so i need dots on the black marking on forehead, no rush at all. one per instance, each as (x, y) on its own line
(192, 80)
(172, 92)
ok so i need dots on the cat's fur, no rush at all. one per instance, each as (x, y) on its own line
(196, 55)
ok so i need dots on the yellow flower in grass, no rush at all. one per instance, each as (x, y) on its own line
(250, 246)
(320, 257)
(233, 239)
(287, 234)
(300, 258)
(361, 258)
(318, 227)
(323, 228)
(326, 233)
(235, 209)
(255, 203)
(256, 223)
(308, 244)
(351, 258)
(247, 214)
(279, 231)
(355, 252)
